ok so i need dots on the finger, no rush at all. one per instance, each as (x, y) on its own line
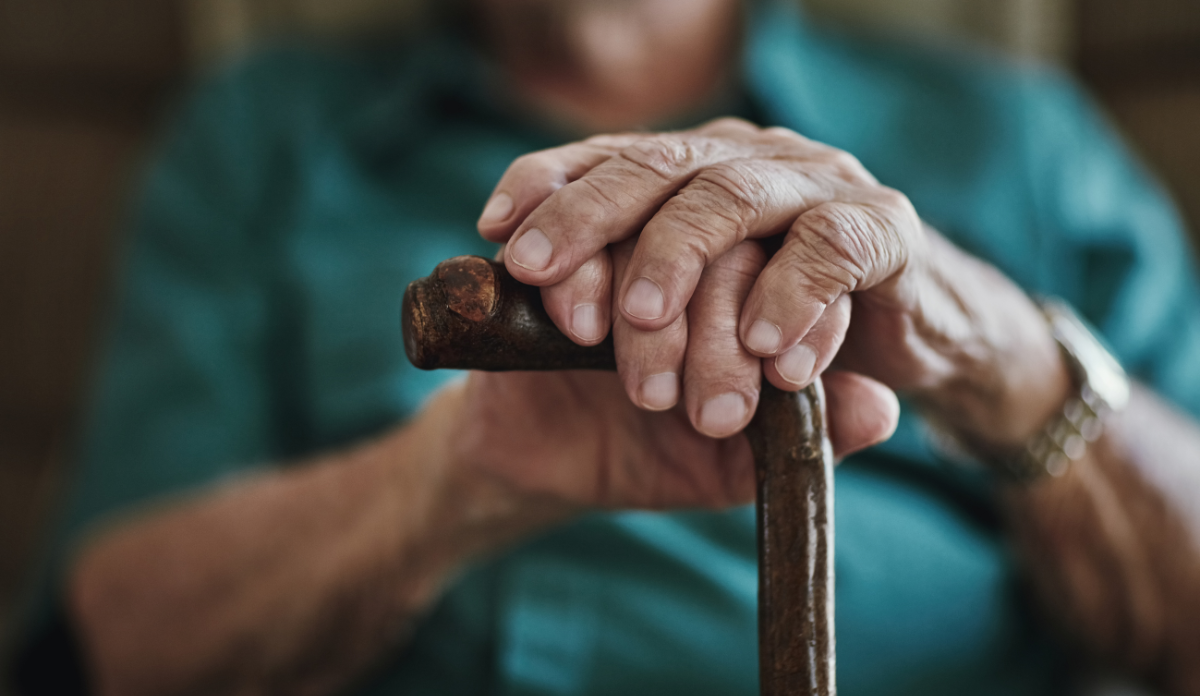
(862, 412)
(580, 306)
(650, 362)
(534, 177)
(797, 367)
(832, 249)
(611, 202)
(720, 207)
(731, 200)
(721, 379)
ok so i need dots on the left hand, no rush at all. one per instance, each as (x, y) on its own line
(927, 318)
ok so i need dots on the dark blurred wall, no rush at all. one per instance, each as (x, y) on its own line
(1142, 58)
(80, 84)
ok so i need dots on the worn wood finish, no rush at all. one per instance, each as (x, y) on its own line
(471, 314)
(794, 462)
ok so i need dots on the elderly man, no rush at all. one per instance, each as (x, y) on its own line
(483, 539)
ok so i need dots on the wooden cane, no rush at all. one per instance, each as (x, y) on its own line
(471, 314)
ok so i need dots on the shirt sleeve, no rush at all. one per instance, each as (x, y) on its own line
(1118, 249)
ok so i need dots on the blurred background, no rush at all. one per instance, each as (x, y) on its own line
(83, 84)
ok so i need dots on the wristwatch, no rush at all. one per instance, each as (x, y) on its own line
(1102, 388)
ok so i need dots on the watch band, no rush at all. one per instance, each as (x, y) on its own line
(1102, 389)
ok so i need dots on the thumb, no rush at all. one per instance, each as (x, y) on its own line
(862, 412)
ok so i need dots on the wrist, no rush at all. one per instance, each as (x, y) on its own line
(1006, 402)
(1007, 376)
(471, 510)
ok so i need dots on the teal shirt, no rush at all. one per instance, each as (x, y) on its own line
(298, 193)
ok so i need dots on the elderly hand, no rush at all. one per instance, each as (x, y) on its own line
(565, 441)
(626, 230)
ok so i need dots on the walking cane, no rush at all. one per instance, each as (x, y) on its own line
(471, 314)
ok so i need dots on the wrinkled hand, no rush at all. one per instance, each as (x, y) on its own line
(652, 234)
(573, 440)
(676, 209)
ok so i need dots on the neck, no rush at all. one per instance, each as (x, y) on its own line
(609, 65)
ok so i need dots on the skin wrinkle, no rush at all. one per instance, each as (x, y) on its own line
(977, 344)
(697, 242)
(659, 352)
(589, 285)
(670, 159)
(608, 197)
(827, 334)
(731, 191)
(803, 294)
(714, 322)
(713, 194)
(815, 236)
(642, 358)
(740, 186)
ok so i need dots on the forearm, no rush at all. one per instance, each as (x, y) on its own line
(292, 581)
(1111, 547)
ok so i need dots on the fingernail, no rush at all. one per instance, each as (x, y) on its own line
(797, 364)
(659, 392)
(764, 337)
(721, 415)
(497, 209)
(532, 250)
(644, 299)
(585, 322)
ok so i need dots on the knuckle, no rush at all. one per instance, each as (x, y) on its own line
(845, 166)
(848, 163)
(898, 208)
(786, 133)
(598, 201)
(745, 260)
(738, 124)
(542, 169)
(591, 278)
(841, 158)
(838, 243)
(894, 202)
(894, 214)
(700, 236)
(525, 165)
(749, 254)
(735, 121)
(734, 188)
(732, 123)
(799, 277)
(540, 161)
(666, 156)
(605, 141)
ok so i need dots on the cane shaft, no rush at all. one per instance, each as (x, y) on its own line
(794, 463)
(471, 314)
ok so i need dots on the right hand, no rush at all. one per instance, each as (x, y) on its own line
(575, 440)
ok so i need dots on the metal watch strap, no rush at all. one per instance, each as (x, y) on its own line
(1102, 389)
